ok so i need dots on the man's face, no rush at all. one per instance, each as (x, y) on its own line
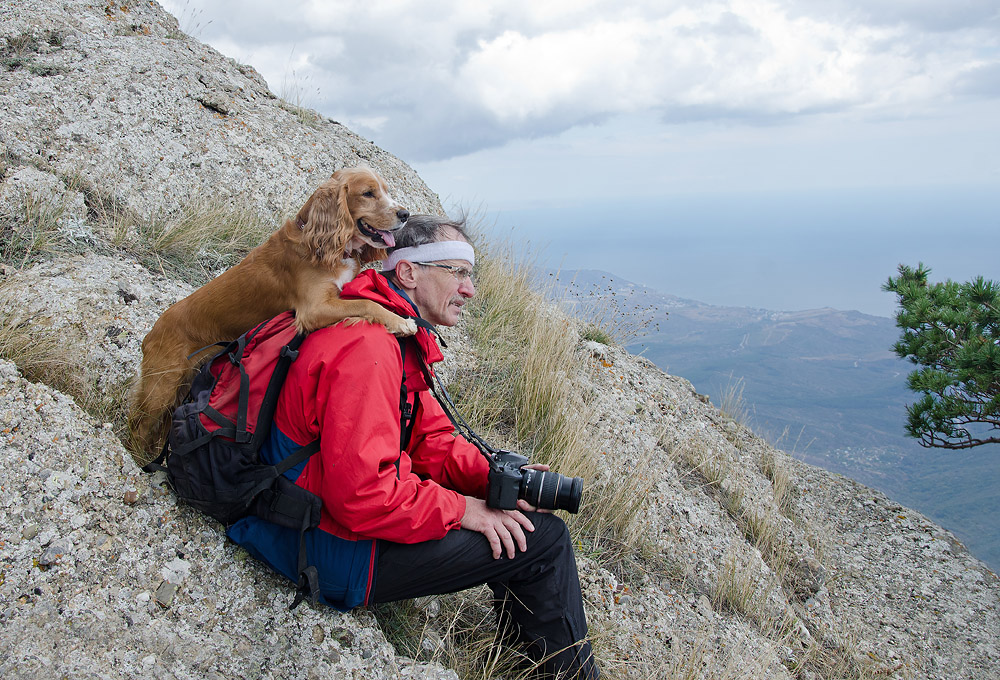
(438, 294)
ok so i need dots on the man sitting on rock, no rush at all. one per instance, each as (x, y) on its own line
(404, 514)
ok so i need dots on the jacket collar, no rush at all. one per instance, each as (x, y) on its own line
(372, 285)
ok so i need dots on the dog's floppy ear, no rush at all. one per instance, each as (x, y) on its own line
(329, 226)
(344, 207)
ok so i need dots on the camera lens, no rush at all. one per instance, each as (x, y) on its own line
(551, 490)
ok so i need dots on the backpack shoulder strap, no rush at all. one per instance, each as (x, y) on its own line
(269, 403)
(406, 410)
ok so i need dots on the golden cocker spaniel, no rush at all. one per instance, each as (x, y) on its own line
(348, 221)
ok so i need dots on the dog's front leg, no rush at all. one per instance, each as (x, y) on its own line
(332, 309)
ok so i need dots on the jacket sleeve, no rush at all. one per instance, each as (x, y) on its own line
(367, 486)
(438, 454)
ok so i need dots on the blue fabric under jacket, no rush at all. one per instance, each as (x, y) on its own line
(343, 565)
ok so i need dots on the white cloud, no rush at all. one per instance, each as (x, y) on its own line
(435, 79)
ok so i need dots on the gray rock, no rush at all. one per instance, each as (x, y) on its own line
(56, 552)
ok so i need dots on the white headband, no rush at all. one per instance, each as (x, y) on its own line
(431, 252)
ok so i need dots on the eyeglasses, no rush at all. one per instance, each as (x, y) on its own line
(460, 273)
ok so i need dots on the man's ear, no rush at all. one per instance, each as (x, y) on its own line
(406, 274)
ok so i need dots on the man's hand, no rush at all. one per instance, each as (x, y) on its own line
(525, 505)
(502, 528)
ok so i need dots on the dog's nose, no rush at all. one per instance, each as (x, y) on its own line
(403, 215)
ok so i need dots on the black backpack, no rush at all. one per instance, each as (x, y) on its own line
(213, 449)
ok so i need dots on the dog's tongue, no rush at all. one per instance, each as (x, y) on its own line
(387, 237)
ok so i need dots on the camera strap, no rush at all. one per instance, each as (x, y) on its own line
(448, 406)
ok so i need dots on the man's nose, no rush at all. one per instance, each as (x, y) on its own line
(467, 288)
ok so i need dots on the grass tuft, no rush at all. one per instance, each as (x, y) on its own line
(732, 404)
(595, 333)
(735, 588)
(206, 237)
(781, 484)
(705, 462)
(41, 356)
(764, 532)
(39, 228)
(459, 631)
(520, 391)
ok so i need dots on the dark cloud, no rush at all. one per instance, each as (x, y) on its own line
(438, 129)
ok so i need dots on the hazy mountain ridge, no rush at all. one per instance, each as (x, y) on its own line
(823, 384)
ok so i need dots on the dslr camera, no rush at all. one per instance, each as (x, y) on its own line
(545, 490)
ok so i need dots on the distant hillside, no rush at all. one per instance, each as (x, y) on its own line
(822, 384)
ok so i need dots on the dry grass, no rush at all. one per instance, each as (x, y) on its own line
(760, 525)
(521, 395)
(522, 391)
(189, 23)
(458, 631)
(702, 460)
(608, 526)
(526, 350)
(781, 485)
(733, 500)
(764, 531)
(204, 238)
(39, 228)
(845, 661)
(702, 659)
(736, 590)
(40, 354)
(732, 404)
(207, 235)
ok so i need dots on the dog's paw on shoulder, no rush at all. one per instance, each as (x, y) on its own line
(303, 328)
(403, 328)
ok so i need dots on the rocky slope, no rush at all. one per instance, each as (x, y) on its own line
(755, 566)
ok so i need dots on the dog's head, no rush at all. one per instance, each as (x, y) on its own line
(351, 214)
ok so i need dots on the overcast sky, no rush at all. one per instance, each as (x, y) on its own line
(512, 106)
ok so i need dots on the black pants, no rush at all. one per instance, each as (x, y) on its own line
(538, 591)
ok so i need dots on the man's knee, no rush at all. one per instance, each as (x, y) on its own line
(550, 537)
(550, 520)
(549, 527)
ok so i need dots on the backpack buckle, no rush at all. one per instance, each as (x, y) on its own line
(308, 587)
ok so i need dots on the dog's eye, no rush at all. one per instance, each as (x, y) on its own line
(369, 194)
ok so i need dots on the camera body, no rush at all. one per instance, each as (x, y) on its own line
(508, 482)
(505, 480)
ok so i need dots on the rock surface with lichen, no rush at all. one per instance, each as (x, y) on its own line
(109, 110)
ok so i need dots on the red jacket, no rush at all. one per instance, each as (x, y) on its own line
(345, 389)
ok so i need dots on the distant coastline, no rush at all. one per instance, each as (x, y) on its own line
(796, 251)
(821, 384)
